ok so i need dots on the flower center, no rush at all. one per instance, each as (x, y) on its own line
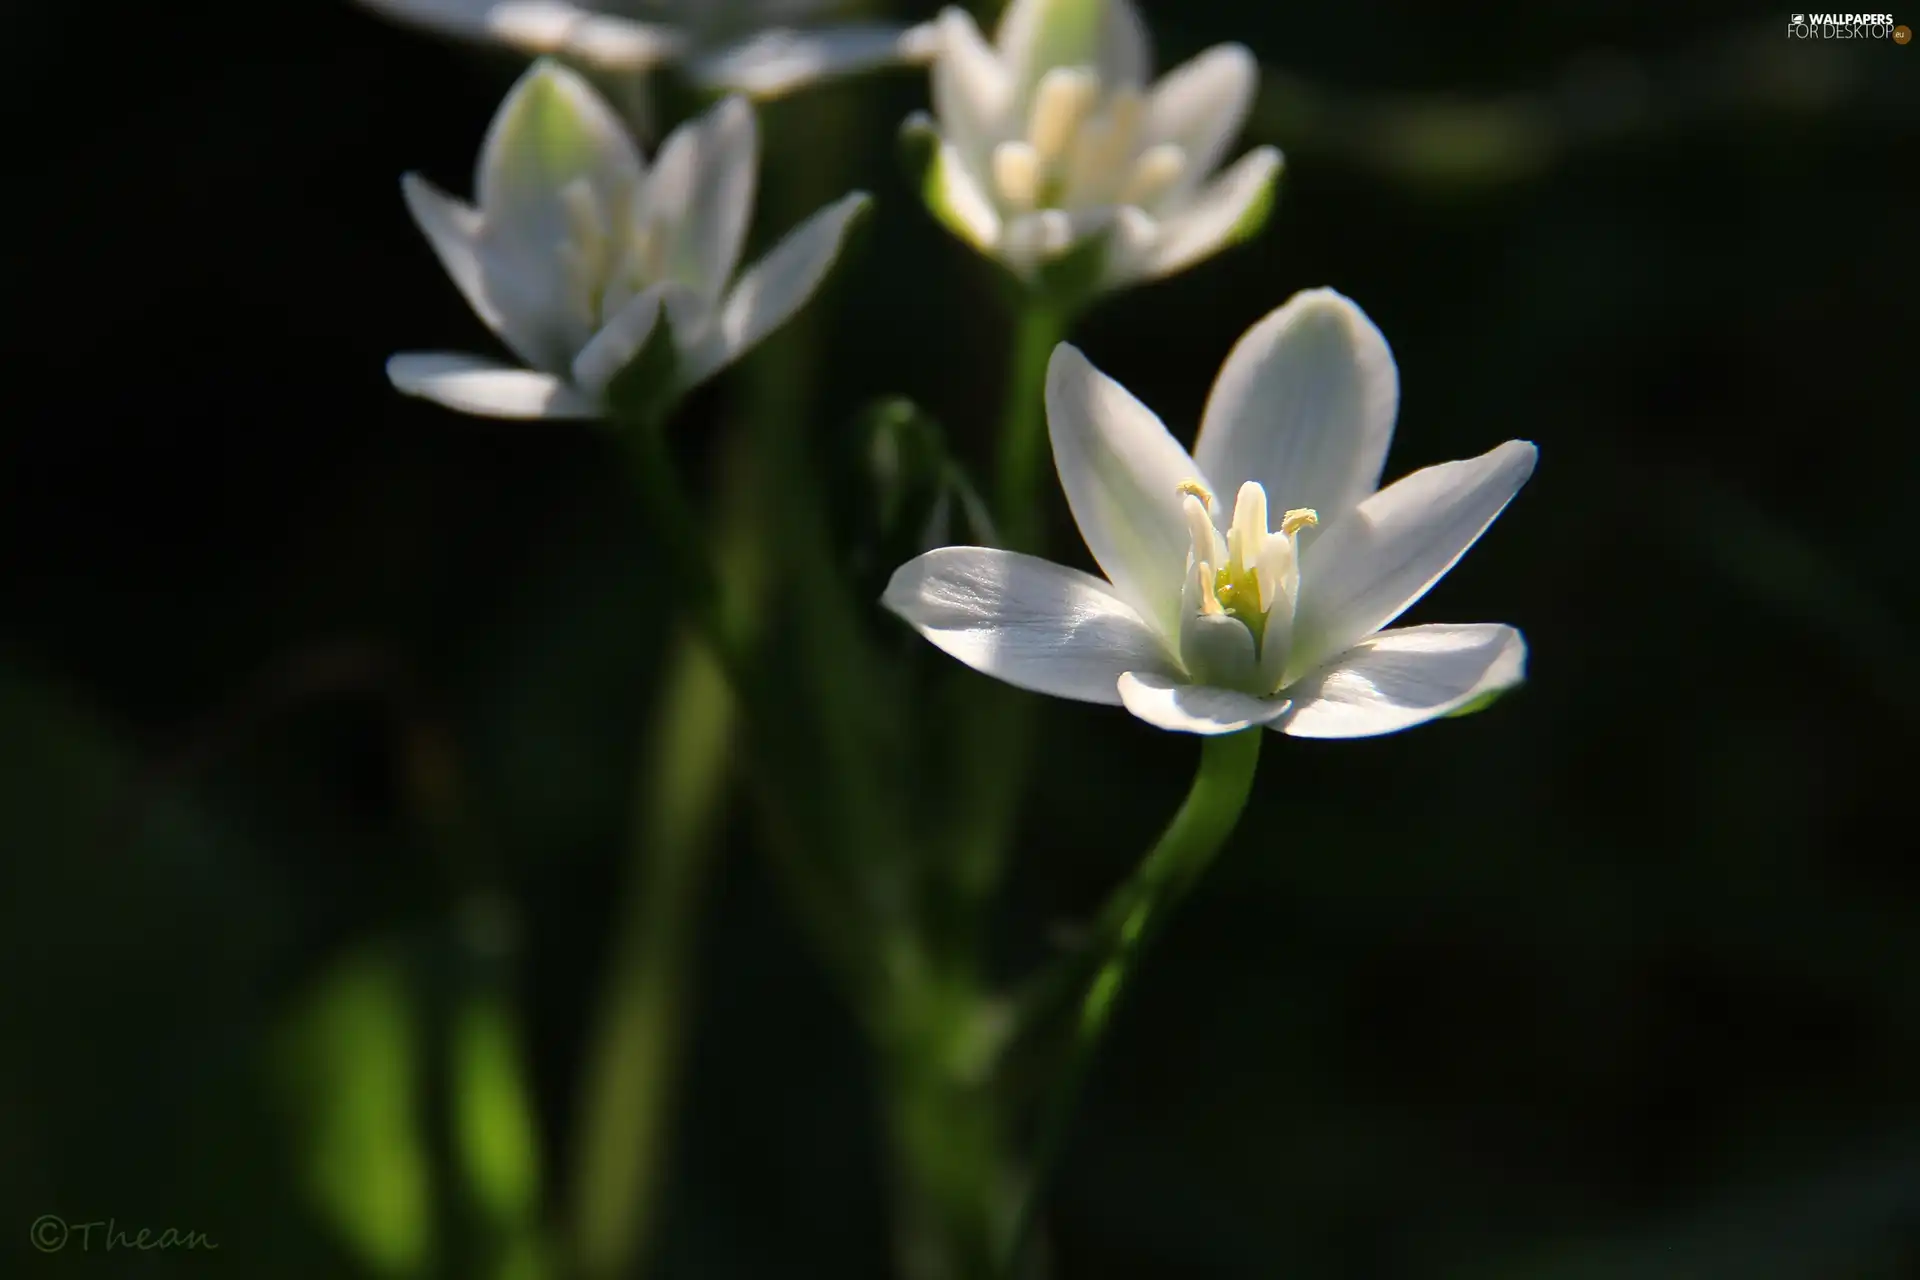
(1083, 148)
(1237, 588)
(1237, 625)
(603, 269)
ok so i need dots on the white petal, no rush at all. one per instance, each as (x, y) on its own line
(920, 44)
(1201, 104)
(1122, 473)
(1401, 678)
(552, 130)
(972, 94)
(604, 40)
(701, 190)
(1126, 48)
(1107, 35)
(693, 317)
(467, 18)
(1166, 703)
(472, 384)
(723, 203)
(545, 26)
(773, 63)
(665, 198)
(547, 320)
(1130, 245)
(618, 342)
(1026, 621)
(1218, 216)
(960, 202)
(528, 318)
(1304, 405)
(1374, 562)
(777, 286)
(453, 230)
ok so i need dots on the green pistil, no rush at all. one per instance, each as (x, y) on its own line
(1239, 595)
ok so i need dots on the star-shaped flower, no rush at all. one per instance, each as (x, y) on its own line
(579, 254)
(1055, 139)
(1267, 607)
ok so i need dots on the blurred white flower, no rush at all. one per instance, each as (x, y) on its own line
(1054, 138)
(763, 48)
(578, 251)
(1211, 618)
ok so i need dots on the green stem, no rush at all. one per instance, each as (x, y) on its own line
(679, 796)
(721, 672)
(722, 616)
(1022, 450)
(953, 1189)
(725, 601)
(633, 1060)
(825, 713)
(1128, 923)
(997, 724)
(949, 1135)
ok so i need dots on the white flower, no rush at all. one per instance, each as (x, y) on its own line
(1212, 618)
(763, 48)
(1052, 138)
(578, 250)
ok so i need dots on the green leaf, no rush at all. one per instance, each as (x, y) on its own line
(493, 1114)
(351, 1061)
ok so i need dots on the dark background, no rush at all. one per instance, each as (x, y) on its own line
(1621, 978)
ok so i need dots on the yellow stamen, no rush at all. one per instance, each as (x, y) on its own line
(1197, 489)
(1154, 174)
(1061, 104)
(1297, 519)
(1209, 603)
(1016, 174)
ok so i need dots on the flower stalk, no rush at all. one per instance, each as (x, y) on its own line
(633, 1063)
(704, 590)
(1020, 461)
(998, 728)
(1128, 923)
(955, 1178)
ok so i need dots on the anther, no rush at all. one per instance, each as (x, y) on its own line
(1016, 174)
(1061, 104)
